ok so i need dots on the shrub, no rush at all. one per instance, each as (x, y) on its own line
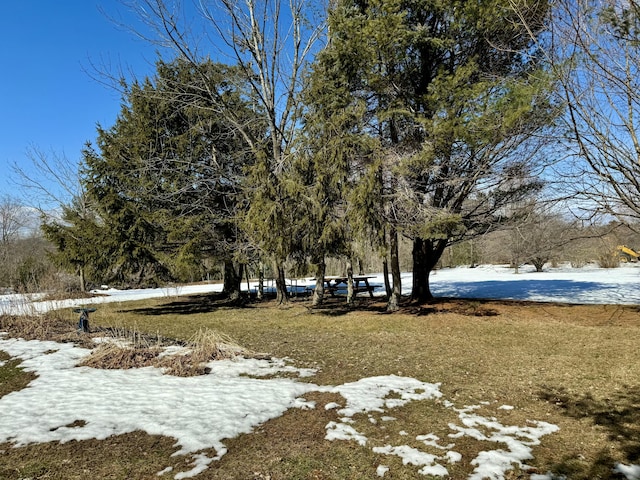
(608, 260)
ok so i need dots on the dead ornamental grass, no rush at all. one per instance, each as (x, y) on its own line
(111, 356)
(51, 326)
(573, 366)
(123, 348)
(191, 359)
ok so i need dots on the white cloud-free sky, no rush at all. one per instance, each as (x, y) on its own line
(200, 413)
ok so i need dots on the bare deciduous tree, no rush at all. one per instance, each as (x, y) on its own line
(538, 237)
(52, 181)
(54, 186)
(597, 60)
(23, 262)
(271, 42)
(12, 219)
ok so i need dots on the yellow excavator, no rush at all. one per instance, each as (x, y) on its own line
(628, 254)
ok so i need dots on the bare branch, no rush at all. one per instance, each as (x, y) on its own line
(598, 67)
(52, 181)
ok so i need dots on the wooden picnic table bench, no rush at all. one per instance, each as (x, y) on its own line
(333, 284)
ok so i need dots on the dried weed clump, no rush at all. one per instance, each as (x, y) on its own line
(203, 347)
(114, 356)
(43, 327)
(209, 345)
(182, 359)
(119, 348)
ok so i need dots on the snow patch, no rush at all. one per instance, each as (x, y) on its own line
(631, 472)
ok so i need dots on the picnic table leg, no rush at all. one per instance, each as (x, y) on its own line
(369, 289)
(331, 290)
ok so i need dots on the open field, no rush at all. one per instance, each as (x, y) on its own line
(587, 285)
(573, 366)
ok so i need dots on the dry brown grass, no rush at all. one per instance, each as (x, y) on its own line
(203, 347)
(11, 377)
(123, 348)
(574, 366)
(111, 356)
(45, 327)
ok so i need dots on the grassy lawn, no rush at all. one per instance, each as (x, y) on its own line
(577, 367)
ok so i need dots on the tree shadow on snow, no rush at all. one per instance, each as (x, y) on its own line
(618, 415)
(527, 289)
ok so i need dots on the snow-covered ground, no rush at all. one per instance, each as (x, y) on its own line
(590, 284)
(20, 304)
(200, 413)
(572, 285)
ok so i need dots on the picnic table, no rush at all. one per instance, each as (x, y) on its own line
(340, 283)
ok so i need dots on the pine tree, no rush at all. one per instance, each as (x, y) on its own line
(453, 91)
(325, 170)
(77, 241)
(272, 43)
(166, 177)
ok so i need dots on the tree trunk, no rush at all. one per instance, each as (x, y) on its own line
(473, 261)
(396, 293)
(350, 294)
(141, 275)
(385, 274)
(318, 292)
(246, 276)
(426, 253)
(260, 281)
(83, 282)
(232, 280)
(539, 263)
(282, 296)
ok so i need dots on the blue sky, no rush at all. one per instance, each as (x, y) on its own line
(49, 101)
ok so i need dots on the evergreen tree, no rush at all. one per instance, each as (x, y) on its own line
(166, 177)
(78, 242)
(453, 91)
(272, 42)
(325, 173)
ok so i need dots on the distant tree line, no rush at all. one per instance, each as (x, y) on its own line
(24, 265)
